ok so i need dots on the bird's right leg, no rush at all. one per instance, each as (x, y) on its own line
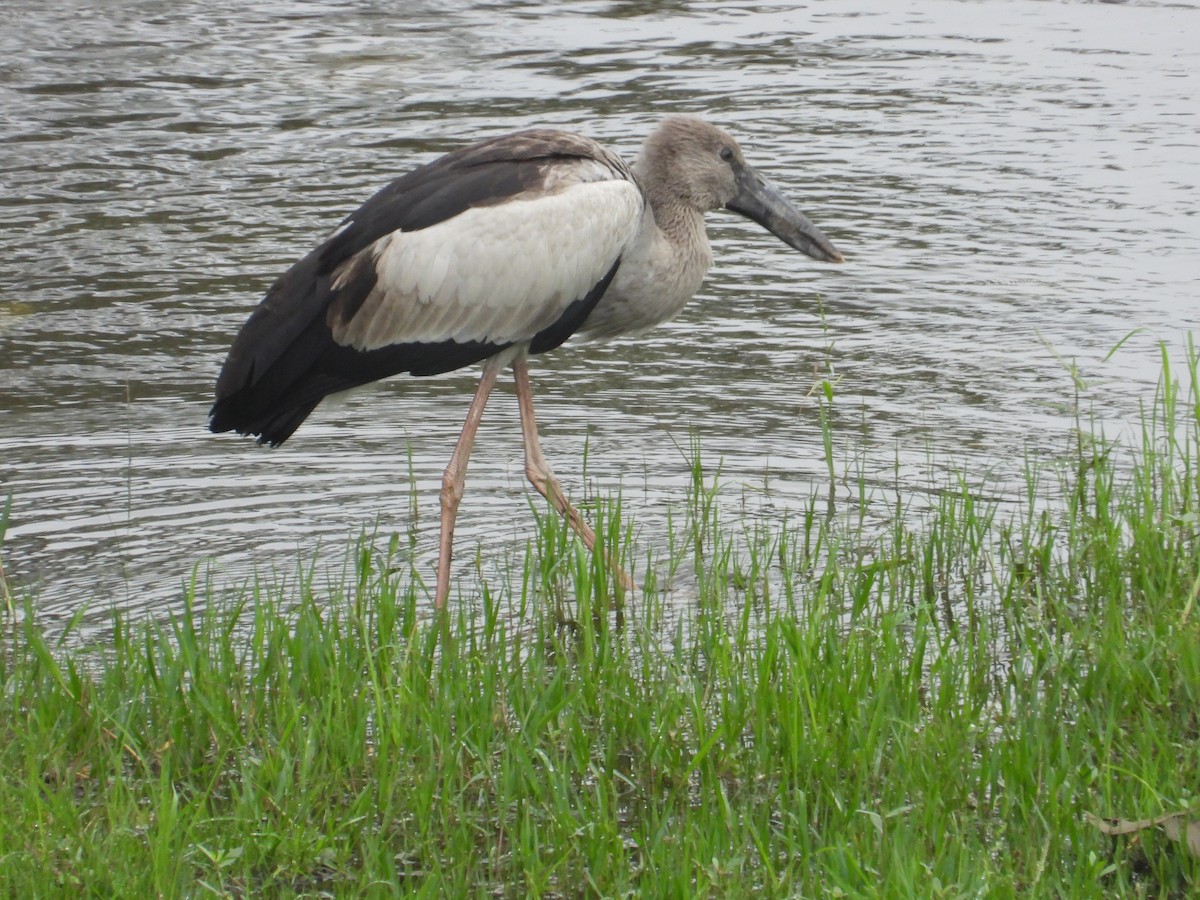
(454, 479)
(538, 471)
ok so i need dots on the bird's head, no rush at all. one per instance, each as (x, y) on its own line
(702, 166)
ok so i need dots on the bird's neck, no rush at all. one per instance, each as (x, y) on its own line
(681, 227)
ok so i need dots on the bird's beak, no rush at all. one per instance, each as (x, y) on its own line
(760, 201)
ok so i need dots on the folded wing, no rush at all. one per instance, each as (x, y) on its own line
(510, 241)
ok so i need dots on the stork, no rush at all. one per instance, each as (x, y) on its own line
(493, 253)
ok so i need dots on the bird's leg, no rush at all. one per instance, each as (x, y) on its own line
(538, 471)
(455, 478)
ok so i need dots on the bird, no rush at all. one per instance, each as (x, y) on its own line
(493, 253)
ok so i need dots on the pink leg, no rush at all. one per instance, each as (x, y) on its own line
(538, 471)
(455, 478)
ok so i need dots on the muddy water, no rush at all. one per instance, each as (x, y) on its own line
(1014, 184)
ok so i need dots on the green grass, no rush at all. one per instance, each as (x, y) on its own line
(925, 708)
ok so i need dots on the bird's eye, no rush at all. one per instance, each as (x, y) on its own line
(726, 154)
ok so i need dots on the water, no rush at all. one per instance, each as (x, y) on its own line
(1015, 185)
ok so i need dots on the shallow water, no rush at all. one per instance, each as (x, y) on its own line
(1015, 186)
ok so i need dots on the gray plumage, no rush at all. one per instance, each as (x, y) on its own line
(494, 252)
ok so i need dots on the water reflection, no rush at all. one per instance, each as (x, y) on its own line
(1015, 187)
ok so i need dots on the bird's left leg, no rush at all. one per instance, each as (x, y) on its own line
(454, 479)
(538, 471)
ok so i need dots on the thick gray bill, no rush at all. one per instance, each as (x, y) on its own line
(759, 200)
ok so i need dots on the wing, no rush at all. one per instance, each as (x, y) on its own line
(498, 274)
(510, 241)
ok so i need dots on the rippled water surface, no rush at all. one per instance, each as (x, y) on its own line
(1015, 184)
